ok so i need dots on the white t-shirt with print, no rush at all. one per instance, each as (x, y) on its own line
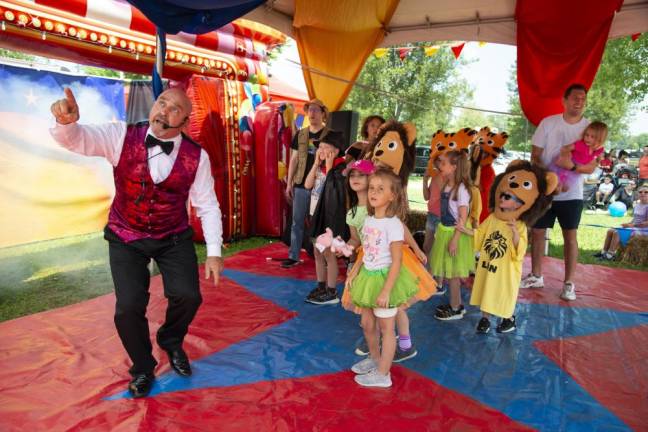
(377, 235)
(552, 134)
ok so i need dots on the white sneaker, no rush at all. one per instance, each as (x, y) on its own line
(374, 379)
(364, 366)
(568, 292)
(532, 281)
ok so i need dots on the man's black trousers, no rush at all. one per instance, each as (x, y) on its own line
(176, 258)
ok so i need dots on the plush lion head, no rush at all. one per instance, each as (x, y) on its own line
(523, 192)
(395, 148)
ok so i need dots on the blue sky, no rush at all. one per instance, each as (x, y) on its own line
(487, 72)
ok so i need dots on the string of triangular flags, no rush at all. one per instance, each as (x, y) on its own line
(456, 47)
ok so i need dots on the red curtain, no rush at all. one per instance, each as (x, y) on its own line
(558, 43)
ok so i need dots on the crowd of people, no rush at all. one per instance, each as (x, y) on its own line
(369, 195)
(357, 197)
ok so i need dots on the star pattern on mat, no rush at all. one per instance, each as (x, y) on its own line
(320, 339)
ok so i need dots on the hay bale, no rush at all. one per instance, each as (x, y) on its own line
(636, 252)
(416, 220)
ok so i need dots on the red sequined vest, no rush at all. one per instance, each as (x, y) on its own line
(141, 208)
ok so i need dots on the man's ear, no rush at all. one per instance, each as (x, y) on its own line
(552, 182)
(410, 130)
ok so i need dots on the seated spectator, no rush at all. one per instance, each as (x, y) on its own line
(639, 224)
(625, 194)
(621, 163)
(606, 163)
(590, 185)
(604, 190)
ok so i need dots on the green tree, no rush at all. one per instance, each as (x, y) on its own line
(16, 55)
(520, 129)
(637, 142)
(112, 73)
(620, 86)
(419, 89)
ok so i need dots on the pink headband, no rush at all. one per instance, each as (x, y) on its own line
(365, 166)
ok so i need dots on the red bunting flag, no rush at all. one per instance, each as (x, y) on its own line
(403, 52)
(456, 50)
(635, 36)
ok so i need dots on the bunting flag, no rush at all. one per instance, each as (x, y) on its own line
(456, 50)
(403, 52)
(635, 36)
(431, 50)
(380, 52)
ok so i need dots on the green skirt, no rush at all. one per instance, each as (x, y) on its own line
(368, 284)
(446, 266)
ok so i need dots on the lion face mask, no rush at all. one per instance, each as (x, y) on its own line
(522, 192)
(395, 148)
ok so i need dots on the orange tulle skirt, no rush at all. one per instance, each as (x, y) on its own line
(425, 282)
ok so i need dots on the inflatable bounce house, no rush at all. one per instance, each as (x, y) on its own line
(223, 71)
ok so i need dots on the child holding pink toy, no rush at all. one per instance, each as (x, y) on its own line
(328, 214)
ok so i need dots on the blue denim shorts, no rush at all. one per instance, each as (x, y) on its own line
(432, 222)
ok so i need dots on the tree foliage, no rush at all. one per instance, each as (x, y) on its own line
(419, 89)
(520, 129)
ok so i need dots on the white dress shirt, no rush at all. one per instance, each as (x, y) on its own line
(107, 140)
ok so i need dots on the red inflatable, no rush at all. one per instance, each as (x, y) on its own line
(209, 127)
(271, 148)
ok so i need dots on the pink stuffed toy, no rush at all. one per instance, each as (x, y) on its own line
(336, 244)
(324, 240)
(339, 245)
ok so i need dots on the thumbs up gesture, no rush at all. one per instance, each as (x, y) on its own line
(66, 110)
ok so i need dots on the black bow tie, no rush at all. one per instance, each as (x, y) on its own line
(166, 146)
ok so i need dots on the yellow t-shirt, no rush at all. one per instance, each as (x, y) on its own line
(499, 270)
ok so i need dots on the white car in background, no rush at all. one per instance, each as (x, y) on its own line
(504, 159)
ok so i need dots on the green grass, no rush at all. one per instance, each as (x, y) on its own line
(590, 240)
(49, 274)
(415, 193)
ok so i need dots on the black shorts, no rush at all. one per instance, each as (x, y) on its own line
(568, 214)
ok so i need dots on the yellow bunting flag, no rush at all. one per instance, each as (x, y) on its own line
(381, 52)
(431, 50)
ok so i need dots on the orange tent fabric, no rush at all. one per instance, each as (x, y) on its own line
(337, 37)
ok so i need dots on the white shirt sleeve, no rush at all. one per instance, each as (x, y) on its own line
(203, 198)
(395, 231)
(539, 138)
(105, 140)
(463, 197)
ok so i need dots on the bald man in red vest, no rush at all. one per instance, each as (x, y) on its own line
(156, 170)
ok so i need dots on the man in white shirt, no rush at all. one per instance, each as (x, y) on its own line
(156, 170)
(552, 134)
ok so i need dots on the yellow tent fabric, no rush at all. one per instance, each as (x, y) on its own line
(337, 36)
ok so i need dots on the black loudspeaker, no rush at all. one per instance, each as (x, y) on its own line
(345, 122)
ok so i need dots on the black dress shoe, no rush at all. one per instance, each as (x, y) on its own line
(140, 385)
(179, 362)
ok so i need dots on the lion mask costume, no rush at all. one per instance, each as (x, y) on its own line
(395, 147)
(529, 185)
